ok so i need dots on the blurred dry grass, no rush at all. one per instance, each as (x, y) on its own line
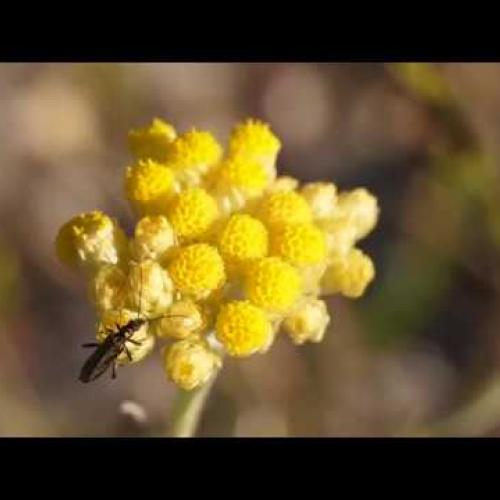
(422, 343)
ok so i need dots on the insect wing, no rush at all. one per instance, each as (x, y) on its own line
(99, 361)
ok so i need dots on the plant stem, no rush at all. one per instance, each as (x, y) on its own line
(187, 410)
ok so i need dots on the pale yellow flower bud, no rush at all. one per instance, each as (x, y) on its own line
(348, 274)
(283, 183)
(90, 240)
(322, 197)
(182, 319)
(308, 322)
(190, 363)
(145, 341)
(360, 208)
(150, 289)
(340, 235)
(107, 288)
(154, 238)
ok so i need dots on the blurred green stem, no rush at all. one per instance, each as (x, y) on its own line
(187, 410)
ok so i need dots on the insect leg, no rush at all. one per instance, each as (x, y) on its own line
(113, 374)
(91, 344)
(135, 342)
(129, 356)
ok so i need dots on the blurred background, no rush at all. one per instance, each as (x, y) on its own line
(419, 354)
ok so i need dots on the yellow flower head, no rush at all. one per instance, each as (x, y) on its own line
(300, 244)
(192, 212)
(244, 174)
(149, 288)
(283, 207)
(181, 320)
(243, 328)
(254, 139)
(148, 186)
(154, 238)
(107, 288)
(348, 274)
(197, 270)
(145, 341)
(272, 284)
(90, 240)
(152, 141)
(308, 322)
(243, 240)
(224, 252)
(360, 208)
(322, 197)
(194, 149)
(190, 363)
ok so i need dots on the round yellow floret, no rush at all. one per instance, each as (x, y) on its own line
(308, 322)
(154, 238)
(242, 173)
(152, 141)
(148, 186)
(243, 329)
(253, 138)
(149, 288)
(283, 207)
(190, 363)
(192, 212)
(272, 284)
(322, 197)
(299, 244)
(144, 340)
(243, 239)
(194, 149)
(90, 240)
(197, 270)
(348, 274)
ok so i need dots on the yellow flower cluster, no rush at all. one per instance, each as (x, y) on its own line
(225, 254)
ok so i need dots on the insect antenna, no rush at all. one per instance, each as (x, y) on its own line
(139, 312)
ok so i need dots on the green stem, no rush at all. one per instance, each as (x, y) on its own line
(187, 410)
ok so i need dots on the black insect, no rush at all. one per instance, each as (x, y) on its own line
(106, 353)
